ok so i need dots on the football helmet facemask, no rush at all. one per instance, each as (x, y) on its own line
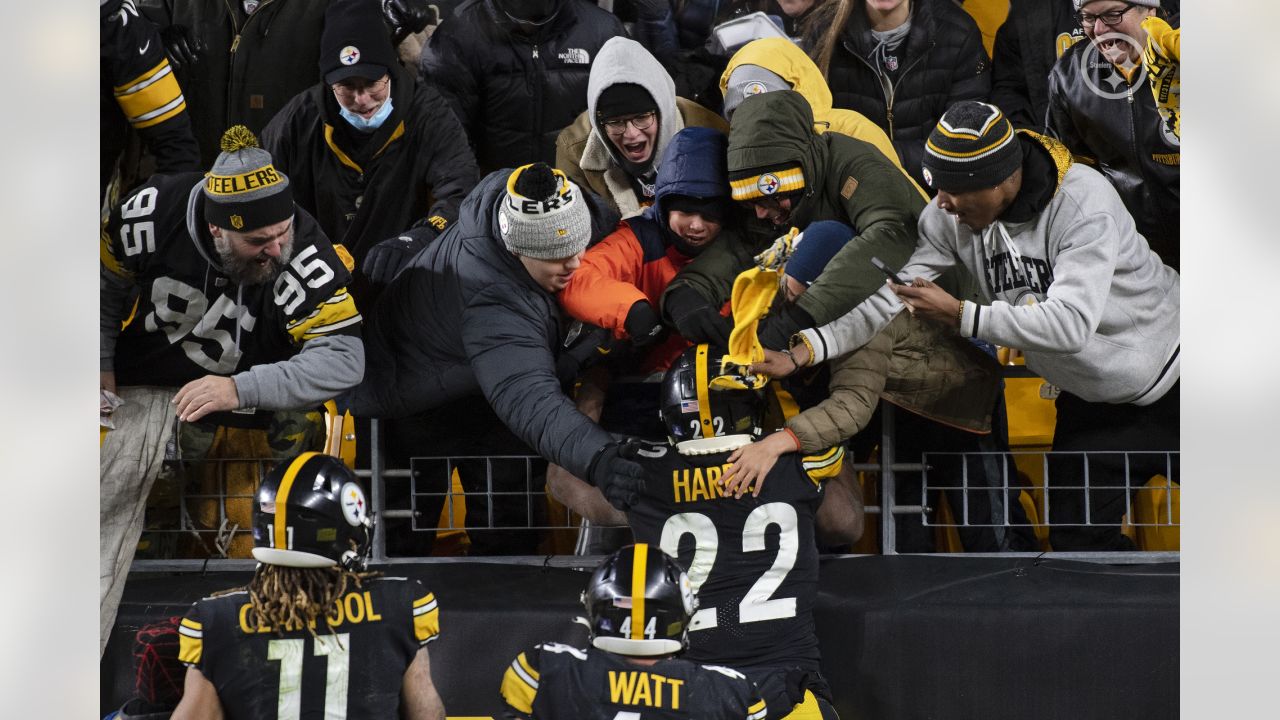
(311, 512)
(691, 409)
(639, 603)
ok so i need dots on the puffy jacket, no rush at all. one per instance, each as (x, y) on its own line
(417, 165)
(639, 259)
(941, 62)
(250, 68)
(586, 154)
(845, 180)
(914, 364)
(786, 60)
(514, 93)
(464, 317)
(1121, 135)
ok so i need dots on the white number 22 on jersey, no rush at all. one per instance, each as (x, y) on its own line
(758, 604)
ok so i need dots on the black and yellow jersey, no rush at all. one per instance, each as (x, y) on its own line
(554, 681)
(355, 665)
(191, 319)
(139, 90)
(753, 562)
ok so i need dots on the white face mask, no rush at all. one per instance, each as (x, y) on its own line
(373, 123)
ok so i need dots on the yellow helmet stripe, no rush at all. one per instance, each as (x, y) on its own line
(638, 571)
(704, 402)
(282, 500)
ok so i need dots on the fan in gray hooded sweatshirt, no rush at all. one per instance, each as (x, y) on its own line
(586, 154)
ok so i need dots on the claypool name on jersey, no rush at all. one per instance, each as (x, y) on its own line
(354, 608)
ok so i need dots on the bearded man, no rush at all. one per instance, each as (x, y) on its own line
(222, 304)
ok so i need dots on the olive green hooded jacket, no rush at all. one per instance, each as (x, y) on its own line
(845, 179)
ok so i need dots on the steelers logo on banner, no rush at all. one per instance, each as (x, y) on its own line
(354, 507)
(349, 55)
(768, 184)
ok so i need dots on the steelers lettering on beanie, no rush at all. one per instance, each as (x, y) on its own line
(244, 191)
(542, 214)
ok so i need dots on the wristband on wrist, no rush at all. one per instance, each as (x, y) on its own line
(960, 316)
(792, 433)
(801, 339)
(787, 352)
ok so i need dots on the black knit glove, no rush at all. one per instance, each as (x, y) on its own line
(643, 325)
(386, 258)
(776, 329)
(407, 17)
(695, 319)
(181, 45)
(619, 477)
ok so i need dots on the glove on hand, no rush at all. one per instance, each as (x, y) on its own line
(182, 47)
(407, 17)
(643, 325)
(777, 254)
(618, 476)
(1162, 59)
(696, 320)
(585, 346)
(775, 329)
(387, 257)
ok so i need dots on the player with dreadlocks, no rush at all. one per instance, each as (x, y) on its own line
(311, 618)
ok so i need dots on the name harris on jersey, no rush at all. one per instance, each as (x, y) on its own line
(698, 483)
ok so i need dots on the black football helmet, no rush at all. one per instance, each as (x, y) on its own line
(691, 409)
(309, 509)
(639, 602)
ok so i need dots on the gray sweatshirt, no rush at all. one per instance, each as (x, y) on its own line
(1076, 288)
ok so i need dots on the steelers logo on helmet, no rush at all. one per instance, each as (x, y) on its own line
(349, 55)
(354, 507)
(768, 184)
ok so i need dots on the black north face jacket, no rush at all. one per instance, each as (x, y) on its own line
(515, 93)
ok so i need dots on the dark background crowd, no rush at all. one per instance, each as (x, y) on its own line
(530, 201)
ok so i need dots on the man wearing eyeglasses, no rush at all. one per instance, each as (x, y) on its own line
(1102, 108)
(372, 152)
(616, 146)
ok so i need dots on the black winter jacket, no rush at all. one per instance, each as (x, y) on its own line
(941, 62)
(250, 68)
(1032, 38)
(1114, 126)
(417, 165)
(464, 317)
(513, 93)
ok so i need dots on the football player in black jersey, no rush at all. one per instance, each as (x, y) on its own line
(638, 605)
(312, 636)
(753, 560)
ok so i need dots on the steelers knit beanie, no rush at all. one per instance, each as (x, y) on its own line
(972, 147)
(244, 191)
(542, 215)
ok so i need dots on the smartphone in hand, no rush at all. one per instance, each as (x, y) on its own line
(888, 272)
